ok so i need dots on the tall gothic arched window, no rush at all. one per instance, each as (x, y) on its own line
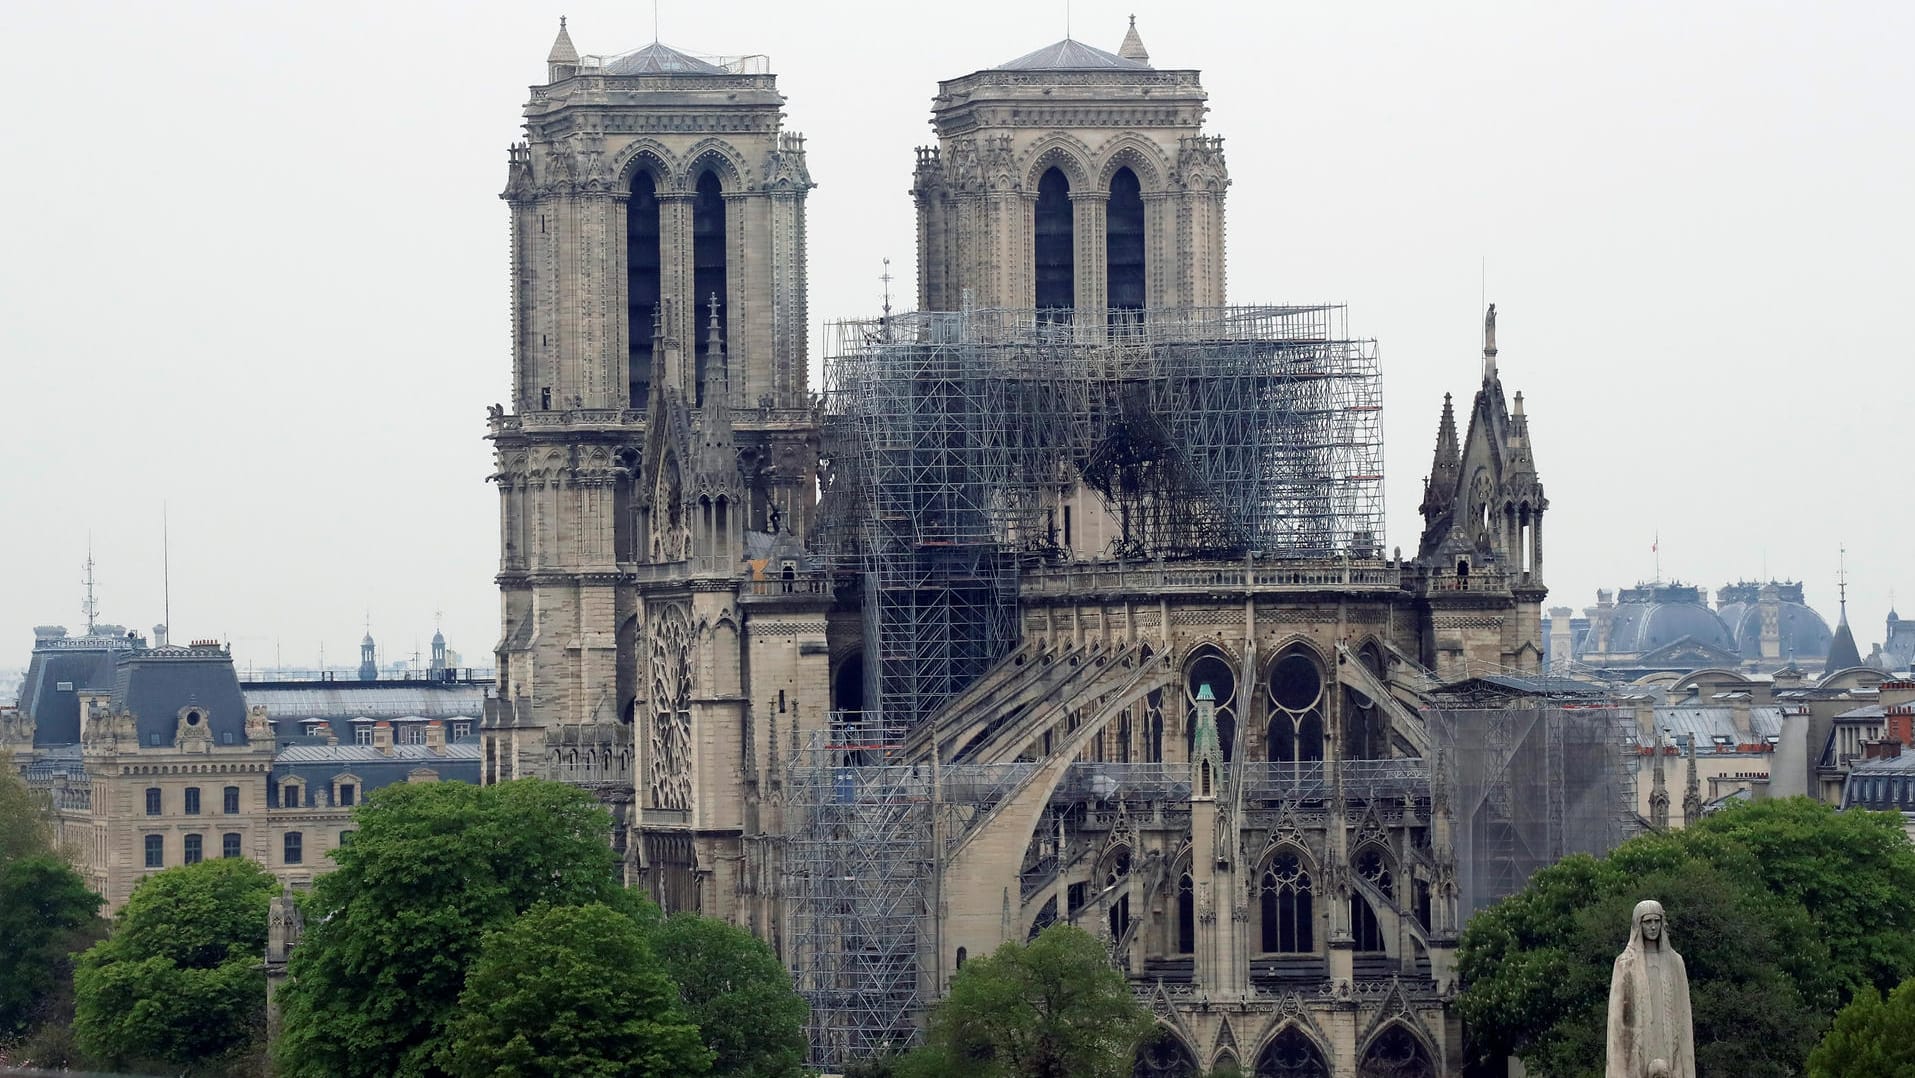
(1287, 906)
(641, 283)
(708, 270)
(1055, 246)
(1124, 243)
(1295, 715)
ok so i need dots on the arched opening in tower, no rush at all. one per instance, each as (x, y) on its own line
(1124, 238)
(1055, 243)
(641, 283)
(708, 271)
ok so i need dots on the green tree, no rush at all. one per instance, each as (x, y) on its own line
(46, 914)
(572, 991)
(1050, 1008)
(26, 820)
(179, 981)
(1871, 1038)
(1749, 917)
(738, 992)
(1853, 870)
(391, 933)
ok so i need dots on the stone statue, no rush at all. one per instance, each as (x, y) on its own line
(1650, 1034)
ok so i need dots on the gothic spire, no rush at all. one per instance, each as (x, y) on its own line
(1440, 488)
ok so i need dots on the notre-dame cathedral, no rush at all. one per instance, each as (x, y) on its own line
(1065, 600)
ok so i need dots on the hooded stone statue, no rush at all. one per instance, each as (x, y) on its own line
(1650, 1034)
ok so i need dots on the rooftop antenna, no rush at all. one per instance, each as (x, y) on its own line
(1655, 547)
(90, 606)
(886, 278)
(1067, 20)
(654, 22)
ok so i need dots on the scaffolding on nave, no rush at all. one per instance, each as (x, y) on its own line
(1205, 432)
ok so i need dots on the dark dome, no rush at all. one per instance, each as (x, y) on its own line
(1803, 633)
(1653, 616)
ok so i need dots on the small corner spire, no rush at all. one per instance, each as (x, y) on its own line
(562, 51)
(1133, 46)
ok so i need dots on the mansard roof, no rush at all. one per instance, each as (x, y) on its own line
(1071, 55)
(661, 59)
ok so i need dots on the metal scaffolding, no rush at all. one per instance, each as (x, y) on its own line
(1530, 784)
(859, 865)
(1205, 432)
(870, 833)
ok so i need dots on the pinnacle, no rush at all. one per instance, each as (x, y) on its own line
(562, 50)
(1133, 46)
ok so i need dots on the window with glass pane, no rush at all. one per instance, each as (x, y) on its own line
(346, 794)
(155, 851)
(229, 844)
(232, 800)
(152, 800)
(194, 852)
(295, 847)
(192, 801)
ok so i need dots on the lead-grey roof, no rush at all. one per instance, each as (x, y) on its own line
(1708, 723)
(56, 711)
(345, 700)
(660, 59)
(156, 684)
(343, 754)
(1070, 55)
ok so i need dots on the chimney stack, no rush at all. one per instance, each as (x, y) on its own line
(382, 737)
(436, 737)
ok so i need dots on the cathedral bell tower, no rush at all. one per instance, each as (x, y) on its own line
(660, 427)
(1072, 179)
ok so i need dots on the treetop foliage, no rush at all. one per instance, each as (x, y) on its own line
(26, 820)
(46, 913)
(179, 981)
(1781, 909)
(1050, 1008)
(572, 991)
(391, 933)
(1871, 1038)
(738, 993)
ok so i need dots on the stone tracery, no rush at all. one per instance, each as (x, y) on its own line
(671, 738)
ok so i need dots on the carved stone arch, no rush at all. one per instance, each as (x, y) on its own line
(1277, 843)
(1064, 152)
(1395, 1021)
(649, 155)
(1166, 1052)
(1325, 660)
(1138, 154)
(1292, 1024)
(724, 160)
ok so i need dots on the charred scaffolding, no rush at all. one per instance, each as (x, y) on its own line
(1205, 433)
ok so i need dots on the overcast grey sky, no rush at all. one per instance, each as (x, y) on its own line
(255, 267)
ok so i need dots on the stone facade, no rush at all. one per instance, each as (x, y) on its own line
(1273, 865)
(657, 468)
(153, 757)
